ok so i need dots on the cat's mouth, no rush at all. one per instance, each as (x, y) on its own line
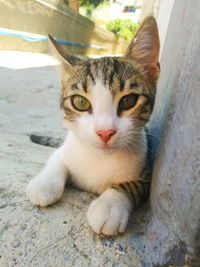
(108, 148)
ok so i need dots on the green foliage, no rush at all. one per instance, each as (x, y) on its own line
(124, 28)
(91, 3)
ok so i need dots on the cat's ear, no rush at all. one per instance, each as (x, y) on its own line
(144, 49)
(62, 54)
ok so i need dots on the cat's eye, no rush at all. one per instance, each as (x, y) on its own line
(80, 103)
(127, 102)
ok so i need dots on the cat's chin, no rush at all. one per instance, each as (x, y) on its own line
(107, 149)
(104, 148)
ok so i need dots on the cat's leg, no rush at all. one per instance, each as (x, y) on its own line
(48, 186)
(109, 213)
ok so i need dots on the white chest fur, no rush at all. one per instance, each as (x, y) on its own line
(93, 170)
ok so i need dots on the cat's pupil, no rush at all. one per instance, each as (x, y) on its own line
(80, 103)
(127, 102)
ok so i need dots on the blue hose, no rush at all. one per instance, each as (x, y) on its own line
(30, 37)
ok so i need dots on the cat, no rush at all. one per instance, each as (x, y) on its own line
(106, 103)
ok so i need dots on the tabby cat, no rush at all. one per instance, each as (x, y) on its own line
(106, 103)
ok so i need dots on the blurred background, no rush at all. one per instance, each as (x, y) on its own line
(87, 27)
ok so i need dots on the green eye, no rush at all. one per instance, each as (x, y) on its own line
(127, 102)
(80, 103)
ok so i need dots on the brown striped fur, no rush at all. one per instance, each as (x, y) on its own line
(137, 190)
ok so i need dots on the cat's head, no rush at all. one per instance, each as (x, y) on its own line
(107, 101)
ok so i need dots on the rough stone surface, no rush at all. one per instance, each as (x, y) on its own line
(175, 194)
(58, 235)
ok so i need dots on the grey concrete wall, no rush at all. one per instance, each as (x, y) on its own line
(163, 18)
(161, 10)
(174, 231)
(49, 16)
(150, 7)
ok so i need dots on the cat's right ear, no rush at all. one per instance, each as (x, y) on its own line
(62, 54)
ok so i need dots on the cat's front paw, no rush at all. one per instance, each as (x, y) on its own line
(43, 190)
(109, 213)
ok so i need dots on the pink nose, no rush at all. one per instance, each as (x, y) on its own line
(105, 135)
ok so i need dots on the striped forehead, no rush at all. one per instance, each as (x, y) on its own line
(104, 109)
(112, 72)
(101, 97)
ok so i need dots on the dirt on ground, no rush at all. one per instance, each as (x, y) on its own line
(58, 235)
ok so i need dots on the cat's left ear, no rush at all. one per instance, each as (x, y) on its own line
(62, 54)
(144, 49)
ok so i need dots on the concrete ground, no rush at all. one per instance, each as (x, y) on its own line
(58, 235)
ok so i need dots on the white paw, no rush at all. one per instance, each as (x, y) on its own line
(43, 190)
(109, 213)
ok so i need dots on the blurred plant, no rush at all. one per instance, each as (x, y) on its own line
(124, 28)
(91, 3)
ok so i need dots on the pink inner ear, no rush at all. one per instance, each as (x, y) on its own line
(154, 54)
(152, 72)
